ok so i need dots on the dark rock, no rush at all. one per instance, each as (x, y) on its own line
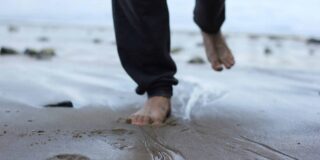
(97, 41)
(196, 60)
(275, 37)
(64, 104)
(176, 50)
(12, 29)
(8, 51)
(46, 53)
(43, 39)
(267, 51)
(253, 36)
(313, 41)
(69, 157)
(39, 132)
(31, 52)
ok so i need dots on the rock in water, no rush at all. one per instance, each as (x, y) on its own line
(43, 39)
(12, 29)
(46, 53)
(64, 104)
(69, 157)
(313, 41)
(97, 41)
(267, 51)
(7, 51)
(196, 60)
(176, 50)
(31, 52)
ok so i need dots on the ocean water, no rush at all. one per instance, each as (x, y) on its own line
(295, 17)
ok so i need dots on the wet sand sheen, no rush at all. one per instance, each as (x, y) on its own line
(97, 133)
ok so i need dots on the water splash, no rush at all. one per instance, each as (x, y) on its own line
(193, 95)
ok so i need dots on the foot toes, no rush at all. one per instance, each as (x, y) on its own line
(133, 119)
(225, 63)
(217, 66)
(230, 62)
(140, 120)
(147, 120)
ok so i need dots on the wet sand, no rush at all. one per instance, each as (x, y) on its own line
(219, 130)
(262, 110)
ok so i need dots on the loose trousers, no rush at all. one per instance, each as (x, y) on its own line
(143, 40)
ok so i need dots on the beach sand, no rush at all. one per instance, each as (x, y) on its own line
(267, 107)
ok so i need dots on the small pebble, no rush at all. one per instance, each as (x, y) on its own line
(46, 53)
(253, 37)
(267, 51)
(196, 60)
(176, 50)
(13, 29)
(97, 41)
(43, 39)
(31, 52)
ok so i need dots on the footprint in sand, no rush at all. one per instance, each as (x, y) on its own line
(68, 157)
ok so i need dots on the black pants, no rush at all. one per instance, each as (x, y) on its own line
(143, 40)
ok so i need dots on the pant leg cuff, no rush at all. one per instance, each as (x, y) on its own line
(164, 91)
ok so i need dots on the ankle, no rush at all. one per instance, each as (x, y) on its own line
(159, 98)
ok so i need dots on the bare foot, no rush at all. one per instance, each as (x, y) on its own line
(218, 52)
(154, 112)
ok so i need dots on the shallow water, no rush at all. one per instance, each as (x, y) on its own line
(265, 108)
(90, 74)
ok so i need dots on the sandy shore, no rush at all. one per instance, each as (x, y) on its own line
(221, 130)
(265, 108)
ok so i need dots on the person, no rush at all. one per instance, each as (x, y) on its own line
(143, 43)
